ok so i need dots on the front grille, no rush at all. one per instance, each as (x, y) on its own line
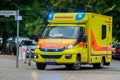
(51, 56)
(51, 50)
(32, 49)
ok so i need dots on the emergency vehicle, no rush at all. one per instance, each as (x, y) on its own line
(74, 39)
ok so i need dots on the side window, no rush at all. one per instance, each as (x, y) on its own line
(103, 31)
(82, 36)
(82, 31)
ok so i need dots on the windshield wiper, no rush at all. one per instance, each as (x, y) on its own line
(50, 37)
(61, 37)
(57, 37)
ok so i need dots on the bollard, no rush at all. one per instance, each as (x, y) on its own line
(25, 57)
(29, 62)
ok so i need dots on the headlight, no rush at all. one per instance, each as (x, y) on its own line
(69, 47)
(35, 56)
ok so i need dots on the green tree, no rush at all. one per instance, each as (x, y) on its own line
(34, 13)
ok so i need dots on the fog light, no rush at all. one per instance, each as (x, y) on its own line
(68, 56)
(35, 56)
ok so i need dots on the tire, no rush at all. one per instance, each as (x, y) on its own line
(76, 65)
(99, 65)
(40, 66)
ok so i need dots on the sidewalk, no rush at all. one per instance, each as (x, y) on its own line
(9, 62)
(8, 71)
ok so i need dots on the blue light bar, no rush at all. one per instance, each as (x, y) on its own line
(56, 50)
(50, 16)
(80, 16)
(46, 50)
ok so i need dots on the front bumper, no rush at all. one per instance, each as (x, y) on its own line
(61, 60)
(64, 57)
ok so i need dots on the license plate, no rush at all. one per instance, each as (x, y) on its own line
(50, 61)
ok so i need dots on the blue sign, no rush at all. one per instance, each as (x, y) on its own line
(18, 17)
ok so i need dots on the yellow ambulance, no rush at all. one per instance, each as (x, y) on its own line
(75, 39)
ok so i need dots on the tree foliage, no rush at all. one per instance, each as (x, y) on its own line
(34, 13)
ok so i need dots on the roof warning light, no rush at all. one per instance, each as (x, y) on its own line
(80, 16)
(50, 16)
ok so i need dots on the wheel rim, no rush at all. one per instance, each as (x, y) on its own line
(102, 63)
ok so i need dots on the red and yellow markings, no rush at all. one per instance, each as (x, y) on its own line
(56, 43)
(96, 47)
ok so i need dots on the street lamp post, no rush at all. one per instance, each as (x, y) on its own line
(17, 40)
(8, 13)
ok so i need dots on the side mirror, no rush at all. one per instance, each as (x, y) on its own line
(37, 38)
(84, 38)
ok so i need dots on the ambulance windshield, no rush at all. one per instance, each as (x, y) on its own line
(61, 32)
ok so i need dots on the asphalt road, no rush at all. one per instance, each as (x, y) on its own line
(8, 71)
(114, 66)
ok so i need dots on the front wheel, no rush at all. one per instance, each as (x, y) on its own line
(40, 66)
(76, 65)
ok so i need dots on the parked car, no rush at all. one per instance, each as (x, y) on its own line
(9, 40)
(30, 47)
(13, 44)
(116, 53)
(113, 47)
